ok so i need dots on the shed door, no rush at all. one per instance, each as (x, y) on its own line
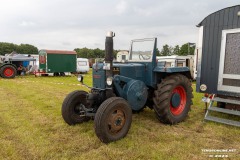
(229, 69)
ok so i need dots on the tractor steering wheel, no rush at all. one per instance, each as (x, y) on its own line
(144, 57)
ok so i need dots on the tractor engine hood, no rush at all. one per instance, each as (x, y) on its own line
(131, 70)
(128, 65)
(135, 71)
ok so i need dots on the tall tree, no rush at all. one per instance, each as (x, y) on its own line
(82, 52)
(176, 50)
(27, 49)
(192, 47)
(157, 52)
(166, 50)
(187, 49)
(6, 48)
(98, 53)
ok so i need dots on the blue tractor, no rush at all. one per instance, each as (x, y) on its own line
(121, 88)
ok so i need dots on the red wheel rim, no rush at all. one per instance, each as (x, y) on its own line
(183, 99)
(8, 72)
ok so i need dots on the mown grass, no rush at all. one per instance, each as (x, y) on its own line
(31, 127)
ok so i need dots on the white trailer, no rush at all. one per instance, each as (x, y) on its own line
(179, 61)
(82, 65)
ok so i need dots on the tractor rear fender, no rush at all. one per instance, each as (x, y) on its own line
(3, 64)
(170, 69)
(162, 72)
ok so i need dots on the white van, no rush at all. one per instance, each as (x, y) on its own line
(82, 65)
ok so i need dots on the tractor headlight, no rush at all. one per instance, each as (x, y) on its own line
(80, 78)
(109, 81)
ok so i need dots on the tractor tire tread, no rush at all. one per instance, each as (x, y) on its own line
(98, 120)
(5, 66)
(162, 98)
(65, 109)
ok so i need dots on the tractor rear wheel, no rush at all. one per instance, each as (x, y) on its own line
(72, 107)
(8, 71)
(113, 119)
(173, 99)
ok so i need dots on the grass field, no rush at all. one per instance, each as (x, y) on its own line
(31, 127)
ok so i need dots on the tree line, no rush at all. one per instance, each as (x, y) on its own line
(6, 48)
(92, 53)
(185, 49)
(166, 50)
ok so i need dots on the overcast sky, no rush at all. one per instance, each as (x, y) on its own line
(69, 24)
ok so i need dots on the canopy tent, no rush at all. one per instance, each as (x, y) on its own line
(18, 57)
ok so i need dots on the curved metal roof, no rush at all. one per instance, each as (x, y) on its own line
(201, 23)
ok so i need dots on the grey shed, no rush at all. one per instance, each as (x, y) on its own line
(218, 54)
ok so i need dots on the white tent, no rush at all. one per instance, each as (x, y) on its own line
(18, 57)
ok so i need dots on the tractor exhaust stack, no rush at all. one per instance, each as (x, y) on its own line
(109, 54)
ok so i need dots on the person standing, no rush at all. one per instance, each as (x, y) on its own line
(19, 69)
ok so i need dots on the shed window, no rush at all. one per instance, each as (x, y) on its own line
(231, 82)
(229, 66)
(232, 54)
(42, 59)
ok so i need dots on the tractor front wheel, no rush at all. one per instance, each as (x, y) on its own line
(173, 99)
(8, 71)
(113, 119)
(72, 108)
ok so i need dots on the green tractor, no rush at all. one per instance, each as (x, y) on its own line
(122, 88)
